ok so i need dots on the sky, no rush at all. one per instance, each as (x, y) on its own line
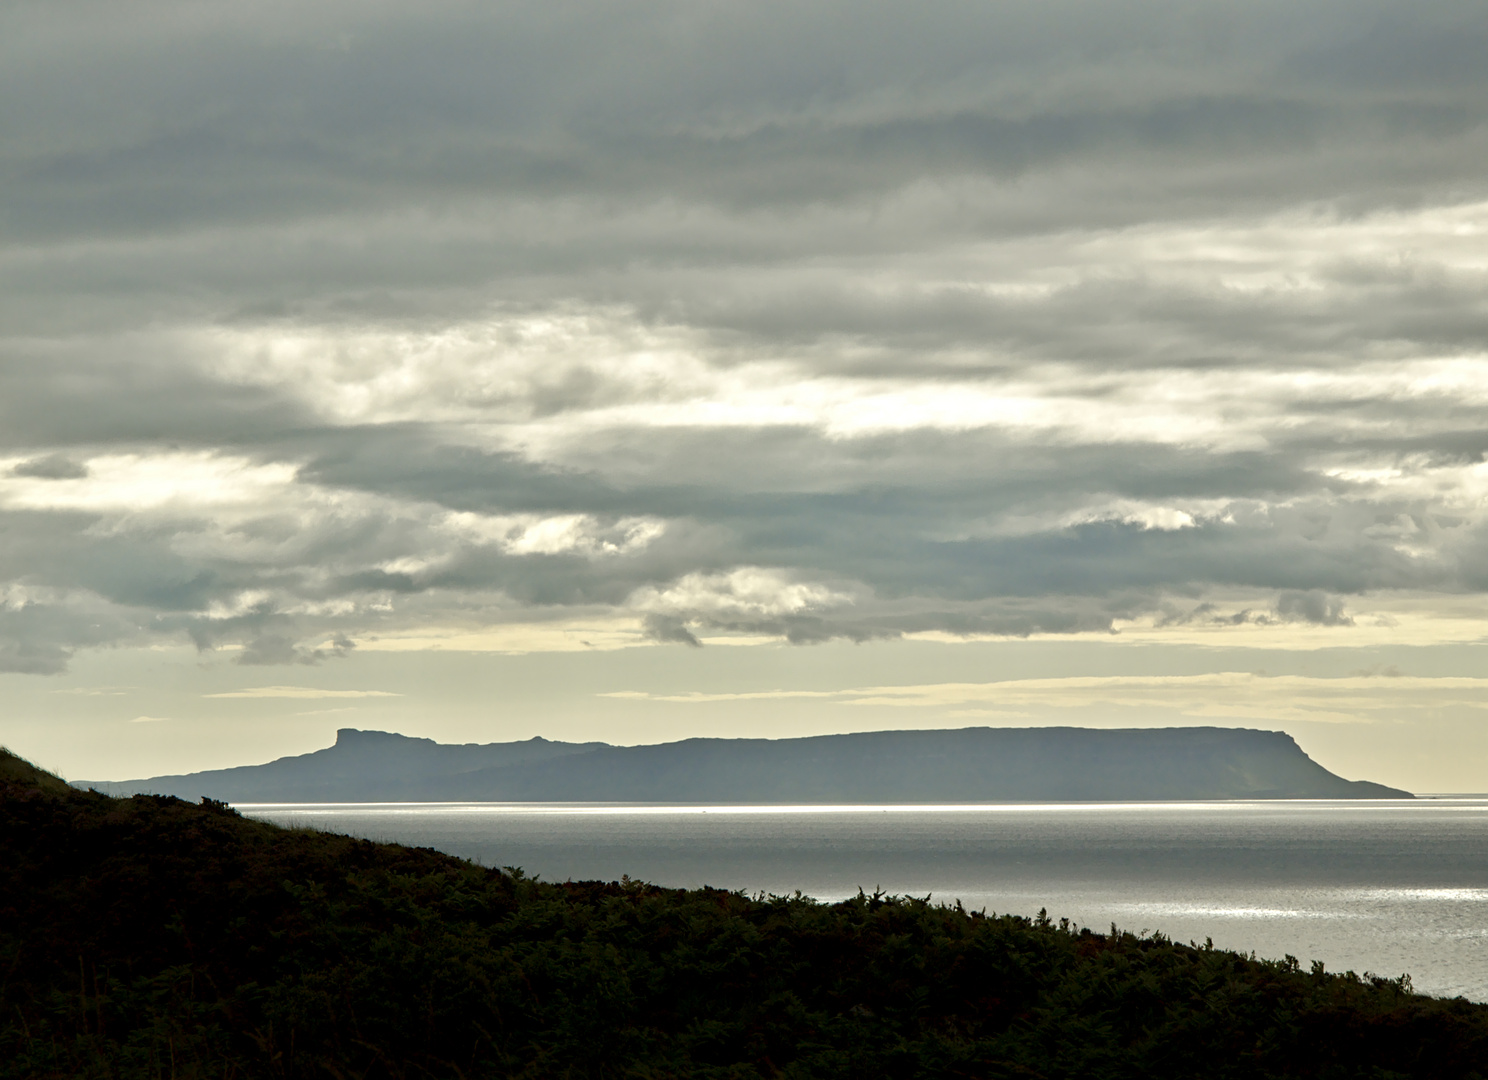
(653, 370)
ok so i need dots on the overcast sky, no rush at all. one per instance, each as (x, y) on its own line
(636, 371)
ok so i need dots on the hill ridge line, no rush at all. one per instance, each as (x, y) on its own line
(972, 764)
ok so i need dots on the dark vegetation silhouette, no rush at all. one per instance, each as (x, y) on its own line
(150, 937)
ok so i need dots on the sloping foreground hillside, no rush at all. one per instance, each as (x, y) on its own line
(148, 937)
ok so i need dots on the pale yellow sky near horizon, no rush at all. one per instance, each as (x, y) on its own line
(1408, 716)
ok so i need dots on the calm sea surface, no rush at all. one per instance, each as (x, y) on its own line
(1382, 886)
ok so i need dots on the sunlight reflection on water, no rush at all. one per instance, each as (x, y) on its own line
(1384, 886)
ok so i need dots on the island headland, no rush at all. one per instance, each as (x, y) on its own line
(979, 764)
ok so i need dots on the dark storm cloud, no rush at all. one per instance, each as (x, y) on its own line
(808, 321)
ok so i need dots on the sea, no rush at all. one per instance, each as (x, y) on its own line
(1383, 887)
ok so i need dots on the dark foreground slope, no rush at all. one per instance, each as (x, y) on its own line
(960, 765)
(147, 937)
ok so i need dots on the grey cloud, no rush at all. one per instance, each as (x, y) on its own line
(31, 657)
(1165, 205)
(757, 474)
(39, 634)
(1005, 616)
(127, 392)
(1313, 606)
(272, 649)
(52, 467)
(415, 463)
(285, 112)
(885, 517)
(1210, 614)
(269, 649)
(669, 629)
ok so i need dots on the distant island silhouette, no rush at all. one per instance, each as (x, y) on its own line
(1046, 764)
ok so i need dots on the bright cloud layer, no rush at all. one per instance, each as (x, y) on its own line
(1224, 698)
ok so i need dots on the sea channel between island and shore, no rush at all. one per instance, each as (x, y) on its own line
(1383, 886)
